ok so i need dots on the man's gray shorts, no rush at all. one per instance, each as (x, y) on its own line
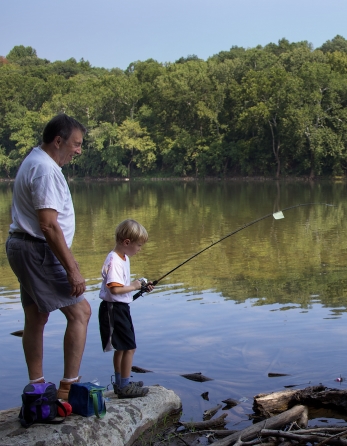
(42, 278)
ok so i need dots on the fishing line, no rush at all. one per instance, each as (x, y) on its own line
(277, 216)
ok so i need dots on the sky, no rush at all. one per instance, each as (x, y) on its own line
(115, 33)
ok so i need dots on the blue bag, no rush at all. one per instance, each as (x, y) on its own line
(39, 404)
(87, 399)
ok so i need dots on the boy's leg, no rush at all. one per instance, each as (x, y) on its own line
(123, 339)
(125, 366)
(129, 389)
(127, 362)
(117, 361)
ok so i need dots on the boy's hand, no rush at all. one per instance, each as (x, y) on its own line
(149, 287)
(145, 287)
(136, 284)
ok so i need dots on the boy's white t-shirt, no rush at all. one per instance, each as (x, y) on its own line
(40, 184)
(115, 270)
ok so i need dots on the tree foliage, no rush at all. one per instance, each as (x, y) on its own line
(273, 110)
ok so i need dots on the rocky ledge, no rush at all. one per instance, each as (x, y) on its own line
(124, 422)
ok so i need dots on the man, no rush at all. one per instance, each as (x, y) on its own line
(38, 249)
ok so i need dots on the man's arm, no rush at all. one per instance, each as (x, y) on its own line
(48, 220)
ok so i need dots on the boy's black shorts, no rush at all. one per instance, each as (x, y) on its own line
(116, 326)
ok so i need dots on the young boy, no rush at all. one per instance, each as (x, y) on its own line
(116, 327)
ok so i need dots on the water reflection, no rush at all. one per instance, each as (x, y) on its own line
(270, 298)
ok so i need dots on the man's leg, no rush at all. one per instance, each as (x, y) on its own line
(77, 316)
(33, 340)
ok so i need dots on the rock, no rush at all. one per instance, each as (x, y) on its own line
(197, 377)
(136, 369)
(124, 421)
(230, 402)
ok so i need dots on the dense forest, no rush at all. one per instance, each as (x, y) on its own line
(276, 110)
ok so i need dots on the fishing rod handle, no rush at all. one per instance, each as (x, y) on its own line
(143, 290)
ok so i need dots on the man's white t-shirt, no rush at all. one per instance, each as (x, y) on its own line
(115, 270)
(40, 184)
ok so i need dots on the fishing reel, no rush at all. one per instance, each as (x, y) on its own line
(143, 289)
(143, 282)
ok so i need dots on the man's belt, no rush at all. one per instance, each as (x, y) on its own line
(26, 236)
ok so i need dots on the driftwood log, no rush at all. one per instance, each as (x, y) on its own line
(298, 414)
(220, 421)
(208, 414)
(267, 405)
(312, 436)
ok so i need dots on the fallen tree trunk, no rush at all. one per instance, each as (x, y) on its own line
(298, 413)
(268, 404)
(316, 396)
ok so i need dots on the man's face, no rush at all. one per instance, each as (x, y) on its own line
(68, 148)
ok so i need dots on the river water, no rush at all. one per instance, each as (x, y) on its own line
(270, 298)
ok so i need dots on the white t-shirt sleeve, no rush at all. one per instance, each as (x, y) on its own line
(114, 272)
(47, 192)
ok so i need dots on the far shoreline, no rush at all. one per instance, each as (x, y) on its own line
(190, 179)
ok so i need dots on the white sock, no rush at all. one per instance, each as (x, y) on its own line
(32, 381)
(70, 380)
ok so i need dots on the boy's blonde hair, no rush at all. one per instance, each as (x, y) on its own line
(132, 230)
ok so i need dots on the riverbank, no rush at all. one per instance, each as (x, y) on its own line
(125, 421)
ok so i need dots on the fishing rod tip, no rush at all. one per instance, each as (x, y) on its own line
(278, 215)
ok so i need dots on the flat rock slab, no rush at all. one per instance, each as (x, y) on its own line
(124, 422)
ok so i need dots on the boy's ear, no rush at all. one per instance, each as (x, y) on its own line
(126, 242)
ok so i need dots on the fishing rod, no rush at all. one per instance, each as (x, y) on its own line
(277, 216)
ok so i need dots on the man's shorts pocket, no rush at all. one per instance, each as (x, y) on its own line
(51, 266)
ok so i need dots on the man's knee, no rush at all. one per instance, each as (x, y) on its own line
(86, 309)
(80, 312)
(34, 317)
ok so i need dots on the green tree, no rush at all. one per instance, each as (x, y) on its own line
(318, 117)
(21, 52)
(137, 145)
(338, 43)
(269, 98)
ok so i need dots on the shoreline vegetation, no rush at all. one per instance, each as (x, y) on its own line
(277, 111)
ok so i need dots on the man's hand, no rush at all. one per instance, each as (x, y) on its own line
(77, 282)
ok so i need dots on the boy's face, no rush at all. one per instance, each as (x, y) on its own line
(131, 248)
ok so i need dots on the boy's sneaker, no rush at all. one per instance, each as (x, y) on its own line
(116, 388)
(132, 390)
